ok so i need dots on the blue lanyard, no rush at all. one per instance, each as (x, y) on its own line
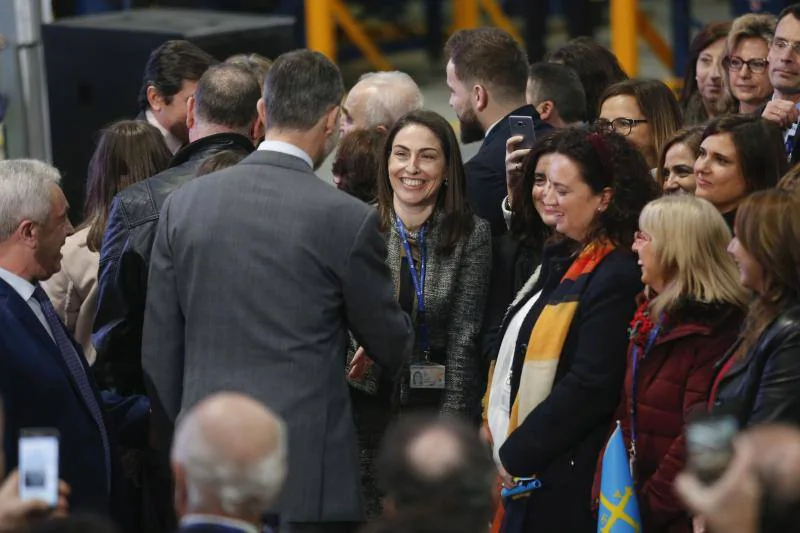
(651, 340)
(418, 279)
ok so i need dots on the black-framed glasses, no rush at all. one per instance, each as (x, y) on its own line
(783, 44)
(756, 65)
(621, 125)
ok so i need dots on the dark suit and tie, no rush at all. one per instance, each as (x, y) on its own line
(486, 171)
(45, 383)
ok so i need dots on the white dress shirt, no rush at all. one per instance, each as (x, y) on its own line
(173, 143)
(25, 290)
(286, 148)
(193, 519)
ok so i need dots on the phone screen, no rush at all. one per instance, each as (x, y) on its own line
(38, 466)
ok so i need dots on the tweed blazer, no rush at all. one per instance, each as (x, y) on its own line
(456, 288)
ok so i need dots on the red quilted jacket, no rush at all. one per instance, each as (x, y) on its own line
(674, 380)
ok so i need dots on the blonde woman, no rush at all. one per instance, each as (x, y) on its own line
(745, 64)
(689, 317)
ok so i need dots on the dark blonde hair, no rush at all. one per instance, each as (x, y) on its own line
(768, 228)
(128, 151)
(656, 102)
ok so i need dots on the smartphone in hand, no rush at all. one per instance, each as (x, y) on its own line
(522, 125)
(38, 465)
(709, 446)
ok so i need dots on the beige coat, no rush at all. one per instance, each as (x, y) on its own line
(73, 290)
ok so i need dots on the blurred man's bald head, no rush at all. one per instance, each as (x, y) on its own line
(229, 453)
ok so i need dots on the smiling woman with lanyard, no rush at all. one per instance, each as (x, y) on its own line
(439, 255)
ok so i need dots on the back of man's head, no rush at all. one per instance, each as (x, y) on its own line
(169, 65)
(301, 88)
(229, 458)
(227, 95)
(561, 85)
(384, 97)
(490, 57)
(437, 463)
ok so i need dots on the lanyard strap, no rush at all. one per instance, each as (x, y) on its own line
(651, 339)
(418, 279)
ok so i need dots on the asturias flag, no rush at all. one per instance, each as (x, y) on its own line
(619, 510)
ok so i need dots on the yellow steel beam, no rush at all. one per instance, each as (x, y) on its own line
(466, 14)
(320, 28)
(500, 19)
(657, 43)
(358, 36)
(623, 34)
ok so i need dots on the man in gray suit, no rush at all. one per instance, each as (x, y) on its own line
(257, 274)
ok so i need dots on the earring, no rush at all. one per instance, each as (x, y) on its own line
(445, 182)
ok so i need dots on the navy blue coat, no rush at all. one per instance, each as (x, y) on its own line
(38, 391)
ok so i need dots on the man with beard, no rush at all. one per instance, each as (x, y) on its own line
(487, 74)
(257, 274)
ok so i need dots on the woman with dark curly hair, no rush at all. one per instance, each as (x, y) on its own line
(357, 163)
(561, 352)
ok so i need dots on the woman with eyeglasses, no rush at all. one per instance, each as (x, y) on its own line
(645, 112)
(739, 154)
(746, 61)
(561, 350)
(676, 162)
(702, 84)
(688, 318)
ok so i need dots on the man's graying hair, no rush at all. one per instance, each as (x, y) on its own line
(25, 193)
(300, 88)
(397, 94)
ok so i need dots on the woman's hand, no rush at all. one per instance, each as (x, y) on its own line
(360, 364)
(514, 159)
(508, 481)
(699, 524)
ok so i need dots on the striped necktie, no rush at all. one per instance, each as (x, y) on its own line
(76, 369)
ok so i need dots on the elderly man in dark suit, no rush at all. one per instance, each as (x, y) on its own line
(487, 74)
(45, 379)
(257, 274)
(223, 485)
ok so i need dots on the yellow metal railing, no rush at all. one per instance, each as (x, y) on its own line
(628, 23)
(322, 17)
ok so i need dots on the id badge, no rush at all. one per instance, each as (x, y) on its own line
(427, 376)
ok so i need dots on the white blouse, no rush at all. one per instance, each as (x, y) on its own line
(499, 410)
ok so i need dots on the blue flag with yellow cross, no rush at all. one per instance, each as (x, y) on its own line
(619, 510)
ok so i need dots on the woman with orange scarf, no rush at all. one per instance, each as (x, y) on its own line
(561, 353)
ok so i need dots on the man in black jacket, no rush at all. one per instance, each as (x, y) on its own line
(487, 74)
(220, 116)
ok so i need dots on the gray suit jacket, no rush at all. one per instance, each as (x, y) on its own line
(256, 274)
